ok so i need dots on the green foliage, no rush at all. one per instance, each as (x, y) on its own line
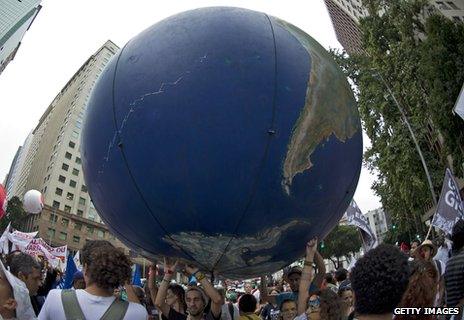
(14, 214)
(421, 59)
(342, 241)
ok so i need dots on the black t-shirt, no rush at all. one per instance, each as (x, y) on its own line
(269, 312)
(174, 315)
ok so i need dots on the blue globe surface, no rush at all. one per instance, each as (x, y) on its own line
(222, 136)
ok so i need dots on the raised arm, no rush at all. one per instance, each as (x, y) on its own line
(152, 283)
(160, 300)
(263, 294)
(305, 280)
(320, 265)
(213, 294)
(131, 296)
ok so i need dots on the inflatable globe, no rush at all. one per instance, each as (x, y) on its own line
(222, 136)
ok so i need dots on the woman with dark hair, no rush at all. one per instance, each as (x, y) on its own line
(346, 295)
(422, 289)
(170, 299)
(326, 305)
(105, 268)
(175, 298)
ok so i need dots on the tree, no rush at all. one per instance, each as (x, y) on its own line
(14, 214)
(420, 56)
(342, 241)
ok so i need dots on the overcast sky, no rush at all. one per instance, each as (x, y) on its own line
(66, 33)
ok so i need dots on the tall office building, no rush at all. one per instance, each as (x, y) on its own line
(12, 184)
(379, 222)
(54, 165)
(345, 16)
(50, 161)
(16, 16)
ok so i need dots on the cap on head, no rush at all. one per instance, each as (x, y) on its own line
(294, 270)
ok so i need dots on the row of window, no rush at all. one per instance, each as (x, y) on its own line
(72, 183)
(65, 167)
(447, 5)
(56, 204)
(78, 226)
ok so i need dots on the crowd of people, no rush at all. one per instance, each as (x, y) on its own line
(385, 278)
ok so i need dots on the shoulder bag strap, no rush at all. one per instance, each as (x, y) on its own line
(231, 310)
(116, 311)
(72, 309)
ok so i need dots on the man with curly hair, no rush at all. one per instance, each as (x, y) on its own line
(379, 280)
(105, 268)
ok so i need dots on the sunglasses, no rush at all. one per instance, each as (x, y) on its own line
(315, 303)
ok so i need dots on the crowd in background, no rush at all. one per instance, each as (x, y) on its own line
(386, 277)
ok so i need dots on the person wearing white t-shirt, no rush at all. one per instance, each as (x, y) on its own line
(105, 268)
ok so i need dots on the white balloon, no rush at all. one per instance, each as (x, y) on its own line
(33, 201)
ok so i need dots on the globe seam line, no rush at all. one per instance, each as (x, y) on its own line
(127, 164)
(266, 151)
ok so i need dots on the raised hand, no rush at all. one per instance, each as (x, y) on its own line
(152, 277)
(311, 248)
(191, 269)
(169, 269)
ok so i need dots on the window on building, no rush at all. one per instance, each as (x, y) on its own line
(441, 5)
(81, 201)
(78, 124)
(70, 196)
(75, 134)
(62, 179)
(65, 167)
(78, 226)
(83, 188)
(92, 213)
(89, 229)
(72, 144)
(75, 172)
(80, 213)
(53, 217)
(56, 204)
(452, 5)
(51, 232)
(101, 233)
(76, 239)
(78, 160)
(63, 236)
(67, 209)
(59, 191)
(67, 155)
(72, 183)
(65, 222)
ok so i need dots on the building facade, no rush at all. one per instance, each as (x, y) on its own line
(12, 185)
(53, 163)
(379, 222)
(15, 19)
(345, 16)
(345, 19)
(50, 161)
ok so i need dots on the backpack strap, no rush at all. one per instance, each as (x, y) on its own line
(231, 310)
(72, 309)
(116, 311)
